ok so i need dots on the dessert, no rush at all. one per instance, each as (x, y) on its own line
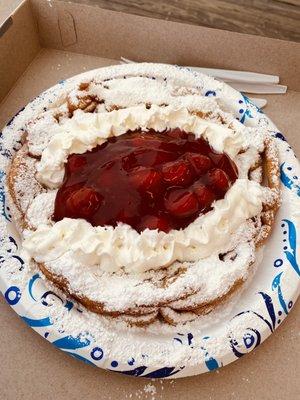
(142, 198)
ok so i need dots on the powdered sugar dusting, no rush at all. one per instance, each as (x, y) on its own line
(154, 345)
(154, 288)
(41, 209)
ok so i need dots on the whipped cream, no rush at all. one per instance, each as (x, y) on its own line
(123, 291)
(84, 131)
(122, 247)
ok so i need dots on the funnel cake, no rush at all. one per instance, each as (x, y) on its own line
(142, 198)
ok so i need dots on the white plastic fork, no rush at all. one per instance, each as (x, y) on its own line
(230, 75)
(243, 81)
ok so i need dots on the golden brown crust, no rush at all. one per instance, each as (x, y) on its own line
(22, 170)
(272, 176)
(16, 165)
(203, 309)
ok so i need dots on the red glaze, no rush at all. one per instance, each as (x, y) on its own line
(145, 179)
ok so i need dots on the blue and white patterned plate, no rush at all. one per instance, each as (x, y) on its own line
(264, 304)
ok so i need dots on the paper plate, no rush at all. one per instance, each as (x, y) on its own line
(211, 342)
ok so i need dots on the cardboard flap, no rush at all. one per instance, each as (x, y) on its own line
(19, 44)
(113, 34)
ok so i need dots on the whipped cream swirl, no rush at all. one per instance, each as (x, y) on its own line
(85, 131)
(122, 247)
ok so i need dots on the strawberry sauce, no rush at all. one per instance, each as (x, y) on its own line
(145, 179)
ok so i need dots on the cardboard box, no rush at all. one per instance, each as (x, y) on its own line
(45, 41)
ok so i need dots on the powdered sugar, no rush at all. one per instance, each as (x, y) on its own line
(213, 339)
(210, 276)
(112, 89)
(40, 130)
(150, 388)
(113, 334)
(26, 187)
(41, 209)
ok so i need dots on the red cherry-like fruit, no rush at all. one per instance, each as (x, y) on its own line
(163, 156)
(83, 203)
(177, 173)
(200, 163)
(154, 222)
(218, 180)
(181, 203)
(126, 215)
(146, 180)
(204, 195)
(227, 165)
